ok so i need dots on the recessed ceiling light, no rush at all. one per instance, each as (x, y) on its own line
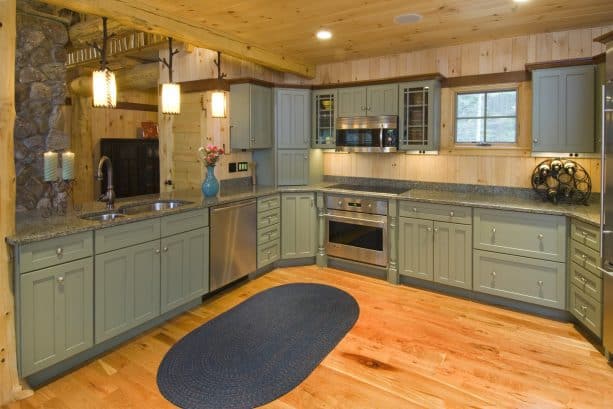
(324, 34)
(409, 18)
(521, 1)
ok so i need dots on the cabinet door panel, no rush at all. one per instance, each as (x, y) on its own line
(240, 116)
(579, 109)
(146, 291)
(352, 101)
(415, 248)
(298, 224)
(292, 118)
(293, 167)
(453, 254)
(546, 111)
(174, 272)
(382, 100)
(197, 268)
(261, 117)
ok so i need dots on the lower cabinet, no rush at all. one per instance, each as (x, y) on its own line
(56, 315)
(185, 267)
(292, 167)
(298, 225)
(436, 251)
(127, 289)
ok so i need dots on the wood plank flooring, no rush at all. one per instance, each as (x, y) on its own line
(409, 349)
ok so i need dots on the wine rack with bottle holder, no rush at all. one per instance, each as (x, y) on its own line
(560, 180)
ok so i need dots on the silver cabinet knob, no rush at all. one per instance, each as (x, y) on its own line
(584, 256)
(540, 283)
(535, 140)
(165, 249)
(429, 228)
(340, 202)
(584, 233)
(493, 230)
(493, 274)
(435, 229)
(451, 214)
(583, 279)
(59, 251)
(157, 251)
(540, 236)
(415, 209)
(60, 280)
(305, 157)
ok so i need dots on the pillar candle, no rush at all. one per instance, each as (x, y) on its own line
(67, 165)
(50, 166)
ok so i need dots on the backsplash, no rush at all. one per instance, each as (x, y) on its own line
(503, 171)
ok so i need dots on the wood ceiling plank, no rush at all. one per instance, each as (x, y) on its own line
(151, 18)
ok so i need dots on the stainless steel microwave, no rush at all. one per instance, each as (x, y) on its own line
(367, 134)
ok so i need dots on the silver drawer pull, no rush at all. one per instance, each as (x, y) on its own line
(59, 251)
(451, 214)
(415, 209)
(493, 274)
(583, 279)
(540, 283)
(60, 280)
(541, 236)
(584, 233)
(493, 230)
(584, 256)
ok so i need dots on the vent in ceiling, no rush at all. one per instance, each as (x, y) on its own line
(410, 18)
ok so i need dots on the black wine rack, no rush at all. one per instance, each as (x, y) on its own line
(560, 180)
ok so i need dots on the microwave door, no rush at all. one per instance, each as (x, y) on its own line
(606, 215)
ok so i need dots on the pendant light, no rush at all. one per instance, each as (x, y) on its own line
(218, 97)
(171, 92)
(103, 80)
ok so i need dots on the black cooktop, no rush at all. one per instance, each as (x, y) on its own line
(374, 189)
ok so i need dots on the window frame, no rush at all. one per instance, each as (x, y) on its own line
(485, 142)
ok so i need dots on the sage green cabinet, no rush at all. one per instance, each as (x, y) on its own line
(293, 167)
(436, 251)
(373, 100)
(127, 289)
(298, 225)
(324, 113)
(46, 253)
(453, 254)
(563, 109)
(185, 268)
(293, 118)
(268, 230)
(56, 314)
(251, 112)
(419, 117)
(416, 248)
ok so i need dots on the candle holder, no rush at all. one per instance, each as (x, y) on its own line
(56, 198)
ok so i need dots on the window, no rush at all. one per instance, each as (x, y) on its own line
(486, 117)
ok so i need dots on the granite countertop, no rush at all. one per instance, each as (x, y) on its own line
(30, 226)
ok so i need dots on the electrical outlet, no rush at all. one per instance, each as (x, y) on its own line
(243, 166)
(232, 167)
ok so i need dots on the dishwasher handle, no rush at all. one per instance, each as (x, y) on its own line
(233, 206)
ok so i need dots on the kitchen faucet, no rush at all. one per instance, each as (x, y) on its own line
(109, 196)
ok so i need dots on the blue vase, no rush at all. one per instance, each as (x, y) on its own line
(210, 186)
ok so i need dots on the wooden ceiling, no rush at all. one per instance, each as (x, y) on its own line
(365, 28)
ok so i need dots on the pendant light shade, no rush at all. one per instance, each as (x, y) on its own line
(171, 99)
(218, 104)
(104, 89)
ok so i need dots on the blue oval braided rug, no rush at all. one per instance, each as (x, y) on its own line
(259, 350)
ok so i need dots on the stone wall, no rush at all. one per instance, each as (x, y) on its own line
(40, 93)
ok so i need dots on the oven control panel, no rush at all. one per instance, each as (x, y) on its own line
(356, 204)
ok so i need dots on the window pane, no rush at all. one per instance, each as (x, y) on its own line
(469, 130)
(500, 130)
(471, 105)
(501, 103)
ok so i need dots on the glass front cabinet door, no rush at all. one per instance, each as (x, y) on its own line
(419, 118)
(324, 118)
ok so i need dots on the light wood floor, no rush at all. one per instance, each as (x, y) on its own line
(409, 348)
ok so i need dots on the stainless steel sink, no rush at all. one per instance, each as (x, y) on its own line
(156, 206)
(102, 217)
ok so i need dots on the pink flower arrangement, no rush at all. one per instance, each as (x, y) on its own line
(211, 154)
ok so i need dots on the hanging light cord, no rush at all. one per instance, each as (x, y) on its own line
(217, 62)
(168, 63)
(102, 50)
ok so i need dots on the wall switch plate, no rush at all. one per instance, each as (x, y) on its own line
(232, 167)
(243, 166)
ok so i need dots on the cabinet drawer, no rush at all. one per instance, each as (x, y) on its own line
(588, 282)
(585, 257)
(268, 202)
(268, 218)
(586, 310)
(46, 253)
(186, 221)
(585, 234)
(438, 212)
(523, 234)
(269, 233)
(520, 278)
(268, 253)
(117, 237)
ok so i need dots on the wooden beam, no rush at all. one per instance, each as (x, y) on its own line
(142, 77)
(143, 16)
(9, 380)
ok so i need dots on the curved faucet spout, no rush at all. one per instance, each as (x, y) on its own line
(109, 196)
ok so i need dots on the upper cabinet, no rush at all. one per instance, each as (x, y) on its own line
(563, 109)
(419, 118)
(368, 101)
(293, 118)
(251, 116)
(324, 114)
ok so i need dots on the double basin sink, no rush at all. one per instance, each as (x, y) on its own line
(137, 208)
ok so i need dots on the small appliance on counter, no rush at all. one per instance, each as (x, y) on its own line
(377, 134)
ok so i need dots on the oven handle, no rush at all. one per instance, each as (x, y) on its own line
(335, 216)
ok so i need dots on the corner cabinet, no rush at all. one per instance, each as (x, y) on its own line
(324, 114)
(298, 225)
(563, 109)
(419, 119)
(251, 115)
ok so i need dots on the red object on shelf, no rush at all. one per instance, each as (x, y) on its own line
(150, 130)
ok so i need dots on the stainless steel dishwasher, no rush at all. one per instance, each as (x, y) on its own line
(233, 242)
